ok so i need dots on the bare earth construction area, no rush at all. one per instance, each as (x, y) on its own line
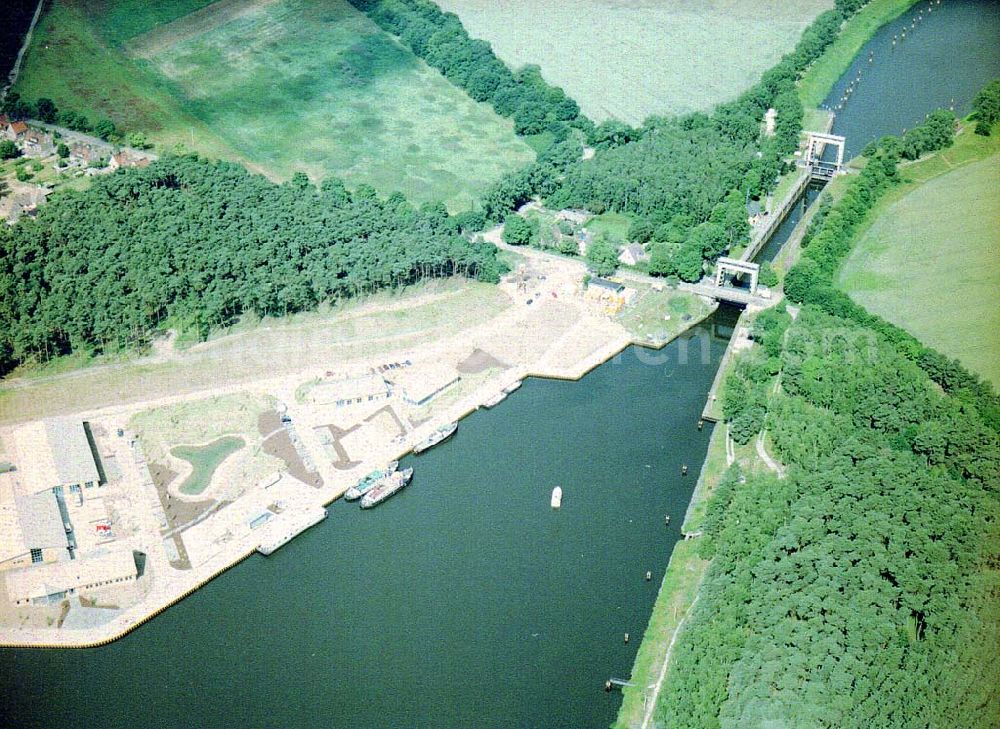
(210, 453)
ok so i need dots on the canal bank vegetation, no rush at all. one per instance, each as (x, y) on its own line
(678, 590)
(683, 181)
(858, 30)
(860, 589)
(832, 237)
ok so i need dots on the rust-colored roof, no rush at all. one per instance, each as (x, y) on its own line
(18, 127)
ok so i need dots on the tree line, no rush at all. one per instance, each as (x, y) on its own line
(830, 238)
(441, 40)
(684, 181)
(195, 244)
(861, 589)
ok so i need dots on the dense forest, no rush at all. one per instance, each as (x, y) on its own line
(195, 244)
(864, 588)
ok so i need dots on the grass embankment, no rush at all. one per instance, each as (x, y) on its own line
(926, 257)
(822, 75)
(711, 471)
(677, 591)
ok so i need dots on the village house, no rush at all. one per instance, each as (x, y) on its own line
(15, 130)
(24, 201)
(633, 254)
(127, 158)
(81, 155)
(37, 144)
(574, 217)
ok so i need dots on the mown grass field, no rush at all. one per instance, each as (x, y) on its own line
(288, 85)
(630, 60)
(928, 262)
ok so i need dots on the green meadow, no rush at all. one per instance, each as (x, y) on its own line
(635, 58)
(285, 85)
(928, 262)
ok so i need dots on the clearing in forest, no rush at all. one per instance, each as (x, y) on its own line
(285, 85)
(631, 59)
(928, 264)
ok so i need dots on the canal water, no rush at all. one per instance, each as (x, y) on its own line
(465, 601)
(777, 241)
(15, 17)
(950, 52)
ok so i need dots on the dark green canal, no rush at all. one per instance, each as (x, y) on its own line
(465, 601)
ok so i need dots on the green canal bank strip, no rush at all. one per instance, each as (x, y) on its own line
(837, 483)
(828, 68)
(686, 570)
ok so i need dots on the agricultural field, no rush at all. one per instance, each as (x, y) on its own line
(72, 62)
(928, 264)
(287, 85)
(631, 60)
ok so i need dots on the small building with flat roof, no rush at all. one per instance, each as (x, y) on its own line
(604, 284)
(50, 583)
(53, 453)
(32, 530)
(350, 391)
(422, 383)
